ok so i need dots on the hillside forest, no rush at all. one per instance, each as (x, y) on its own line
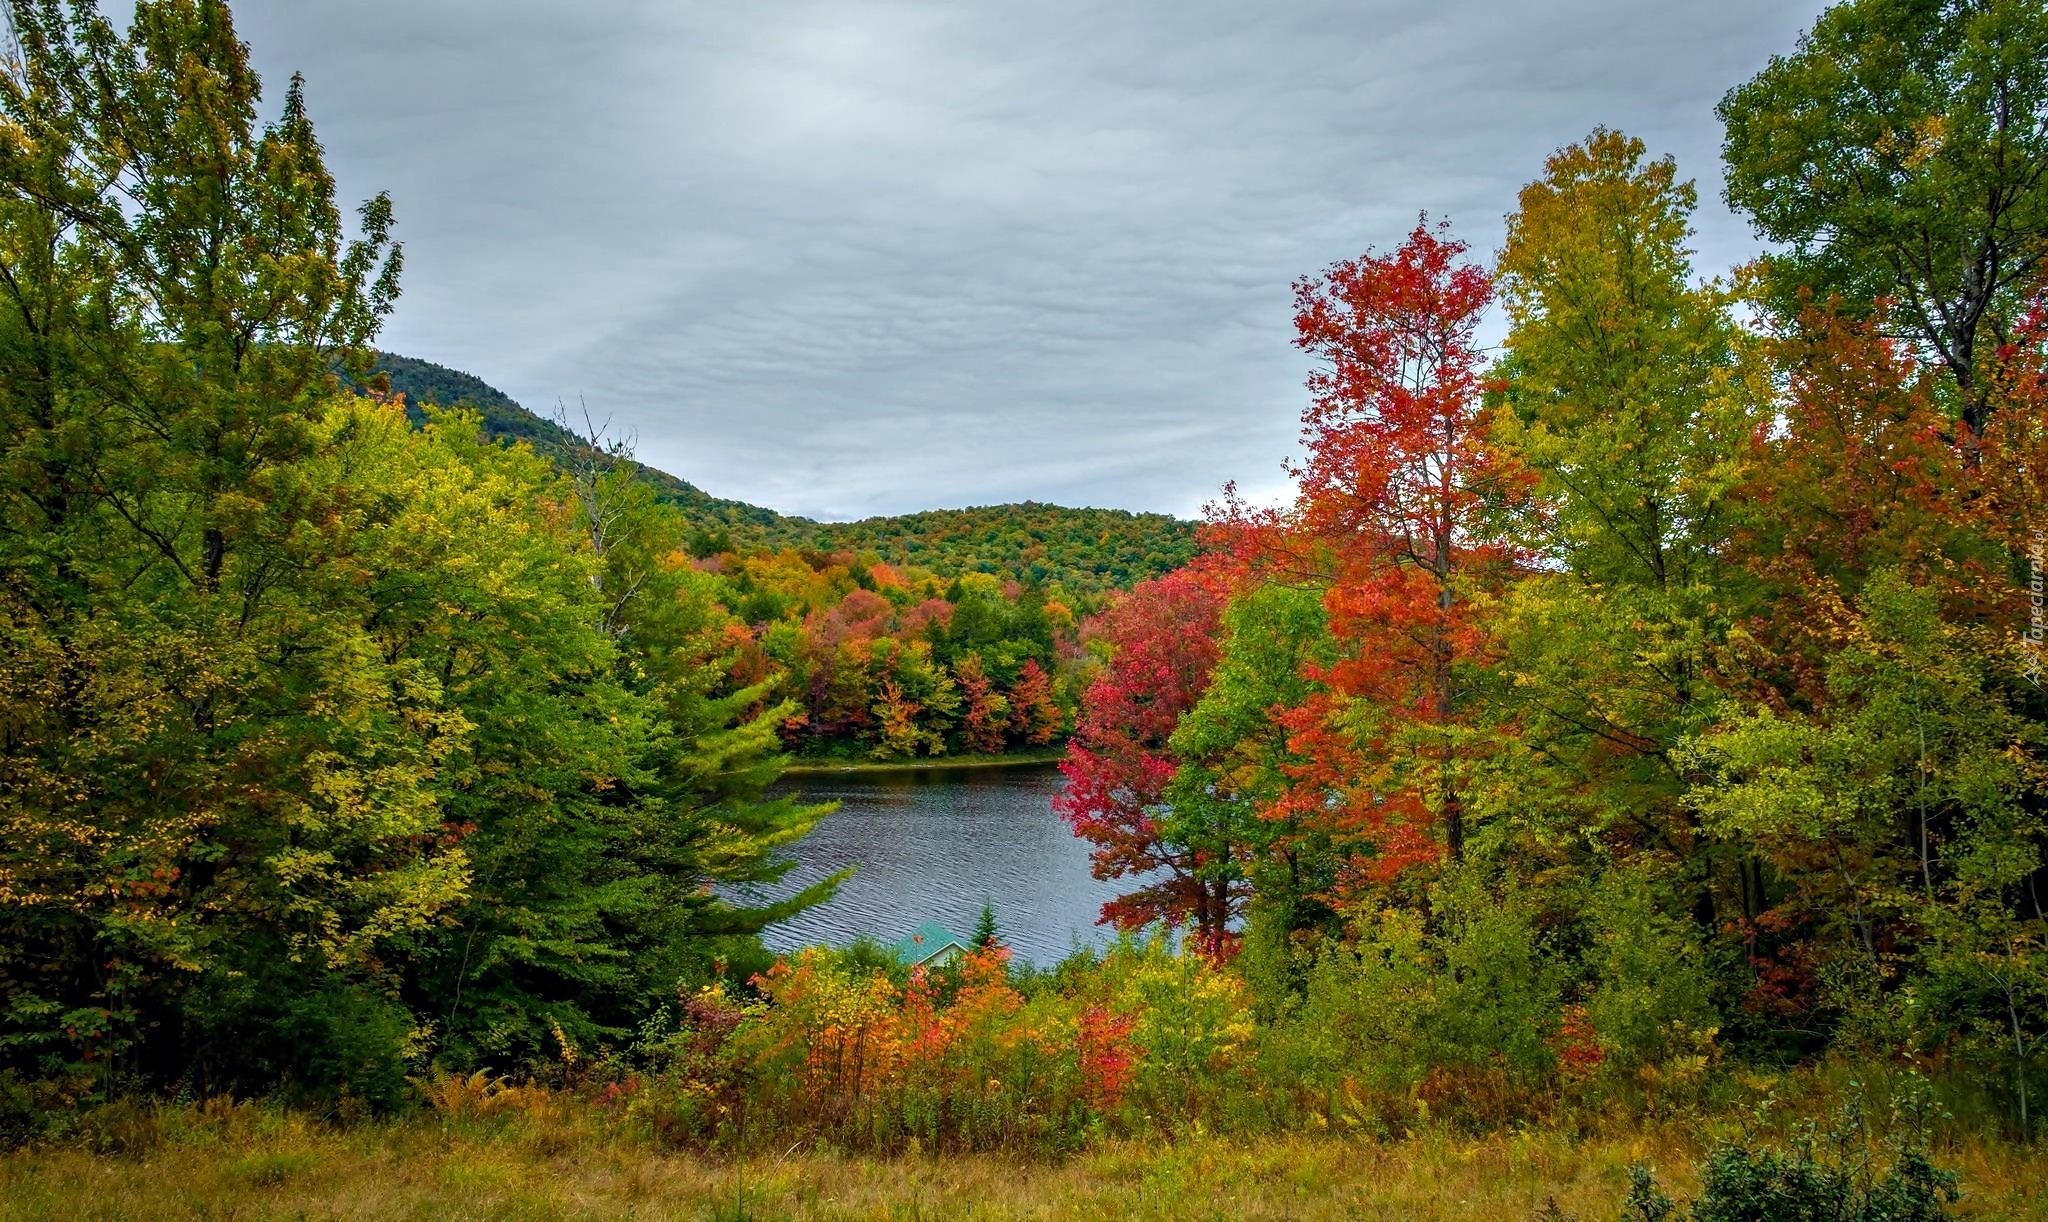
(1634, 727)
(946, 633)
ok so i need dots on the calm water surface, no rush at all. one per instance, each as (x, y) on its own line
(933, 844)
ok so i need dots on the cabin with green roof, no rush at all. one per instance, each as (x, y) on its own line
(931, 945)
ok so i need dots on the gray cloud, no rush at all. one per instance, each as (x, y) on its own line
(843, 257)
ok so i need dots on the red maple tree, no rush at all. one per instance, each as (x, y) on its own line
(1034, 715)
(1162, 643)
(1393, 510)
(985, 714)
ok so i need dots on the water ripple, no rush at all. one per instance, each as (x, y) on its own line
(933, 845)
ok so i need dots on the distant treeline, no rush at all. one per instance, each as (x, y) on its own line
(895, 664)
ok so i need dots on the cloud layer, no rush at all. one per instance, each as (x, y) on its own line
(843, 257)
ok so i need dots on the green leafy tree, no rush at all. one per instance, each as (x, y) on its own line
(1624, 395)
(1902, 152)
(615, 772)
(213, 777)
(1900, 812)
(1232, 787)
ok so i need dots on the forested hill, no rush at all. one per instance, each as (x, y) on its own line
(423, 382)
(1081, 549)
(1085, 550)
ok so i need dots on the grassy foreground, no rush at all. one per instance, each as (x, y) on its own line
(246, 1162)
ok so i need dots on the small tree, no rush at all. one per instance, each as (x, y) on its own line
(1161, 644)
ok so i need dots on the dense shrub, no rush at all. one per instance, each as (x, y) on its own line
(1399, 1028)
(1843, 1172)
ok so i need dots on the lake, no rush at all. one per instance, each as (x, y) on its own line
(933, 844)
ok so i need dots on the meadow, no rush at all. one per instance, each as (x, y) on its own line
(558, 1155)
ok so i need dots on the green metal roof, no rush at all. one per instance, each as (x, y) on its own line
(928, 939)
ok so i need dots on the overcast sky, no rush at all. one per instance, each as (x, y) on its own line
(847, 257)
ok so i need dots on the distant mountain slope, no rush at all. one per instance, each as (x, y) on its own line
(1086, 550)
(424, 382)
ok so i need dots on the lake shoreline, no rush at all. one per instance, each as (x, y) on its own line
(944, 763)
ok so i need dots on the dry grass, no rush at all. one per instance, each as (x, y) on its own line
(242, 1162)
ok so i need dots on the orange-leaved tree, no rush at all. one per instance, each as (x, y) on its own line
(1396, 506)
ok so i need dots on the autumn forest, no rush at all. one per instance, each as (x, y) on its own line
(1612, 782)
